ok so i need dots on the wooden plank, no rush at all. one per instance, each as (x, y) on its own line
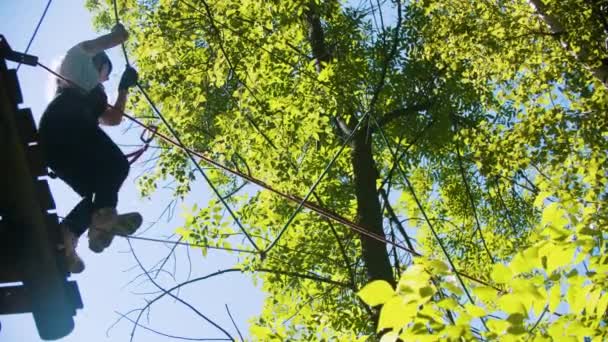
(11, 251)
(52, 222)
(36, 161)
(10, 273)
(16, 299)
(74, 295)
(13, 88)
(27, 126)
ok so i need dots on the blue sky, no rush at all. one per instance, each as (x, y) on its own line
(107, 284)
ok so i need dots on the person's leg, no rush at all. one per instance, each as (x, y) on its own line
(63, 151)
(79, 218)
(111, 168)
(65, 133)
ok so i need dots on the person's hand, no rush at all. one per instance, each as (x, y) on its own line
(128, 78)
(120, 31)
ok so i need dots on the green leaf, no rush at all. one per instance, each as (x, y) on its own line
(602, 305)
(485, 293)
(525, 261)
(555, 217)
(376, 293)
(512, 304)
(540, 198)
(448, 303)
(426, 291)
(226, 244)
(497, 326)
(395, 314)
(560, 257)
(260, 332)
(455, 289)
(474, 310)
(390, 336)
(501, 274)
(516, 319)
(439, 267)
(517, 330)
(593, 300)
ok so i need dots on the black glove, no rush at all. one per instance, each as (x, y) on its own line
(128, 79)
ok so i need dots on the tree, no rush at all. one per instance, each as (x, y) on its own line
(475, 126)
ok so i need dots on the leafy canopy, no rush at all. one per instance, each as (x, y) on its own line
(486, 129)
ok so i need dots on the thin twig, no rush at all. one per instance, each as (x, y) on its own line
(234, 323)
(167, 335)
(165, 292)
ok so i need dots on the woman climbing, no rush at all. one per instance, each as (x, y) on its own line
(80, 153)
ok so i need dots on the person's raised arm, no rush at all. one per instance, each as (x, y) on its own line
(117, 36)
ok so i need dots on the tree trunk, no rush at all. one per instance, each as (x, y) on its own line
(369, 211)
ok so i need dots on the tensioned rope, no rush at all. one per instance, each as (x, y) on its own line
(180, 243)
(301, 202)
(317, 209)
(180, 144)
(29, 44)
(325, 171)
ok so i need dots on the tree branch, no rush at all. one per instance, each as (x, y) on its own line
(393, 217)
(472, 200)
(235, 326)
(400, 113)
(347, 263)
(165, 292)
(305, 276)
(167, 335)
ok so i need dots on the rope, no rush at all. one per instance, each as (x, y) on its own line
(321, 211)
(426, 218)
(312, 206)
(317, 209)
(122, 45)
(181, 145)
(301, 202)
(312, 189)
(187, 244)
(48, 4)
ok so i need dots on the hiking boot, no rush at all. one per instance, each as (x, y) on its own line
(100, 232)
(127, 224)
(106, 224)
(70, 242)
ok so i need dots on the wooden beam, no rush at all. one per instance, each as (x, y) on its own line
(43, 277)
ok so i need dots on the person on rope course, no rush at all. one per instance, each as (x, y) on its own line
(80, 153)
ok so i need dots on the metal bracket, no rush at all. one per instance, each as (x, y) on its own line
(7, 53)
